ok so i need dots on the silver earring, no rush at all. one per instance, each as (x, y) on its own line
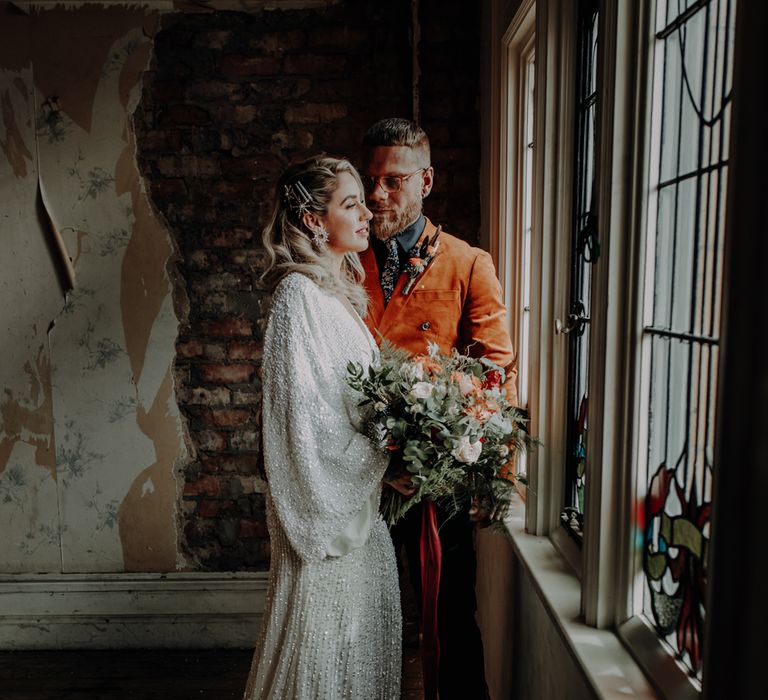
(320, 236)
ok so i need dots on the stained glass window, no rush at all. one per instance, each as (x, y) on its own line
(681, 317)
(585, 251)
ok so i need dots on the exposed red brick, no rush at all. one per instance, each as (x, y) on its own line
(342, 38)
(222, 281)
(232, 237)
(214, 90)
(237, 114)
(210, 440)
(245, 351)
(277, 42)
(207, 508)
(228, 327)
(191, 348)
(314, 65)
(218, 121)
(241, 463)
(230, 417)
(282, 89)
(189, 166)
(265, 166)
(313, 113)
(226, 374)
(200, 396)
(248, 65)
(300, 139)
(234, 189)
(215, 39)
(248, 259)
(206, 485)
(252, 484)
(174, 187)
(253, 529)
(246, 397)
(201, 259)
(245, 440)
(215, 351)
(163, 140)
(167, 90)
(185, 115)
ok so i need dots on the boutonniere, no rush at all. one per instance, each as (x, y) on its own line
(417, 264)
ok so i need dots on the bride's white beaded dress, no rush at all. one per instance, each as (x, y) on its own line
(332, 625)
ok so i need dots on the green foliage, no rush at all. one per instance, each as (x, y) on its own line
(447, 422)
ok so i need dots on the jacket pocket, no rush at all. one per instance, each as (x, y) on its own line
(434, 314)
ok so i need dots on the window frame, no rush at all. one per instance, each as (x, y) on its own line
(555, 78)
(668, 675)
(509, 251)
(609, 557)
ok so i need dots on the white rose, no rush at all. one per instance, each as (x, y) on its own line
(412, 370)
(467, 451)
(380, 406)
(503, 450)
(465, 384)
(422, 390)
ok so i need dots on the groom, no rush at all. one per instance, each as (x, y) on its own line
(456, 302)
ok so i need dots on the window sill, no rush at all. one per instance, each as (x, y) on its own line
(607, 666)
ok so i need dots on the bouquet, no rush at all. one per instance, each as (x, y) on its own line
(448, 423)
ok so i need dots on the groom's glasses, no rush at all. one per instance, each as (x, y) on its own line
(389, 183)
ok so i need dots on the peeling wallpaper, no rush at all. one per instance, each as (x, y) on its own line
(90, 432)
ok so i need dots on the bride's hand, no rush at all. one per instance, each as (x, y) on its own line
(402, 483)
(480, 514)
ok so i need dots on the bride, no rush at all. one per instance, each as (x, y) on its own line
(331, 626)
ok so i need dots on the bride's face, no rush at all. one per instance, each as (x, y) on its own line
(347, 218)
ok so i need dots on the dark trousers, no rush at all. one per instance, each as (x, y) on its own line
(461, 675)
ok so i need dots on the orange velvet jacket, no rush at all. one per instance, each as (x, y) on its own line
(456, 303)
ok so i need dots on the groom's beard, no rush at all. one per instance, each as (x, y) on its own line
(388, 223)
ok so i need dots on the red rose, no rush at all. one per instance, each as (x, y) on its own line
(492, 379)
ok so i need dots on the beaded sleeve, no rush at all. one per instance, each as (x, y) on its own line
(322, 471)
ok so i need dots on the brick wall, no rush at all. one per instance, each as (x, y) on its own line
(230, 99)
(450, 64)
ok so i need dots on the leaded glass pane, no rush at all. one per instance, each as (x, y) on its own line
(680, 346)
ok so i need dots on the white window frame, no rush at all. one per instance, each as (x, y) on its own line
(553, 176)
(509, 248)
(609, 558)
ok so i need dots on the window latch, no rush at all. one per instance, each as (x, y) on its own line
(577, 321)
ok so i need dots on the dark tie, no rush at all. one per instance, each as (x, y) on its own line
(391, 270)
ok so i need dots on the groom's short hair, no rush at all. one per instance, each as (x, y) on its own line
(398, 132)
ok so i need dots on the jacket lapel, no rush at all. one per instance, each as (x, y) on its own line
(399, 301)
(380, 318)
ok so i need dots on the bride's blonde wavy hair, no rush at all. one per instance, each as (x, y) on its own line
(288, 242)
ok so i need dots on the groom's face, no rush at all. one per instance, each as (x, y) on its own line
(393, 211)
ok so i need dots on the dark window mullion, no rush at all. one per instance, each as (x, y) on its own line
(722, 157)
(709, 258)
(693, 430)
(679, 179)
(722, 177)
(680, 335)
(681, 19)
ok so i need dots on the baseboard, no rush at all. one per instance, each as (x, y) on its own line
(123, 611)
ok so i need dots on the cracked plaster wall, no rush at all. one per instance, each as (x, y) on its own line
(90, 433)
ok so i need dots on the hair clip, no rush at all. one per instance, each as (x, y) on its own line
(297, 198)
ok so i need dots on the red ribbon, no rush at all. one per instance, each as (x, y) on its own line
(431, 558)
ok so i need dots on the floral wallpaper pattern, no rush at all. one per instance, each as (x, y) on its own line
(89, 370)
